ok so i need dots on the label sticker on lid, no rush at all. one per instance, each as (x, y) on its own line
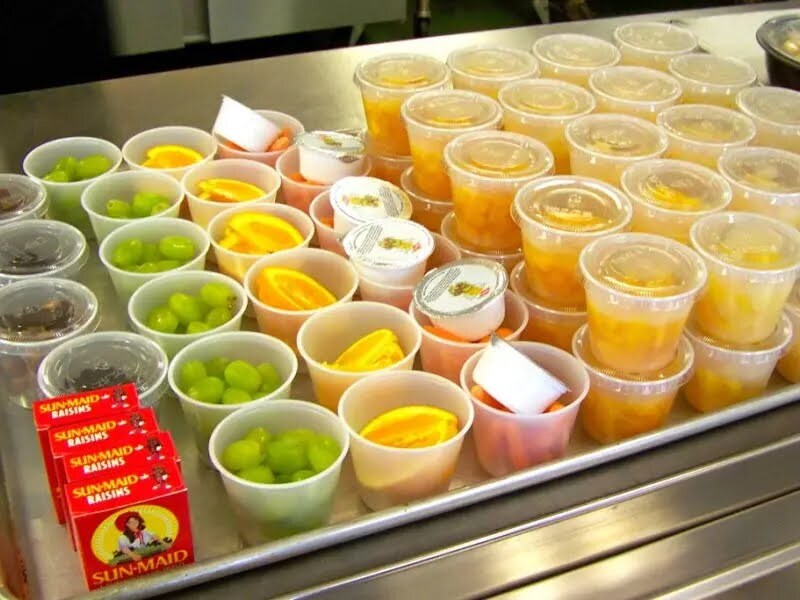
(344, 147)
(389, 243)
(366, 199)
(460, 287)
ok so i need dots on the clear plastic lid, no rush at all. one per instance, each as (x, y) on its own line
(364, 199)
(643, 265)
(659, 38)
(546, 98)
(707, 124)
(337, 144)
(765, 170)
(492, 63)
(40, 248)
(793, 302)
(767, 350)
(402, 72)
(635, 84)
(451, 109)
(460, 287)
(498, 155)
(710, 69)
(676, 185)
(389, 243)
(747, 241)
(781, 36)
(576, 51)
(617, 136)
(573, 204)
(21, 197)
(780, 106)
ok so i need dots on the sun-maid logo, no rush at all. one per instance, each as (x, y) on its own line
(105, 490)
(104, 459)
(465, 288)
(83, 434)
(138, 537)
(393, 243)
(72, 406)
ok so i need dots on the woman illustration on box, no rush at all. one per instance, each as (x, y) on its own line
(135, 537)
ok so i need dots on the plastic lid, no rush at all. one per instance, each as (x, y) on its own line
(460, 287)
(546, 98)
(576, 51)
(707, 124)
(498, 155)
(452, 109)
(781, 36)
(766, 350)
(656, 37)
(365, 199)
(402, 72)
(747, 241)
(20, 197)
(715, 70)
(780, 106)
(389, 243)
(40, 248)
(339, 145)
(765, 170)
(676, 185)
(643, 265)
(635, 84)
(492, 62)
(793, 302)
(618, 136)
(573, 204)
(518, 280)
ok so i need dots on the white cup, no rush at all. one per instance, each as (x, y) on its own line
(134, 151)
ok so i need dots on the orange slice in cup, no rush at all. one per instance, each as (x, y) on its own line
(171, 157)
(412, 427)
(259, 233)
(376, 350)
(289, 289)
(228, 190)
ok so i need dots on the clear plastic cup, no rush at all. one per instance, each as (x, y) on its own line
(156, 292)
(541, 109)
(332, 271)
(621, 406)
(547, 323)
(789, 364)
(776, 114)
(282, 120)
(640, 289)
(268, 511)
(752, 264)
(446, 357)
(653, 44)
(711, 79)
(572, 57)
(636, 91)
(432, 120)
(508, 442)
(603, 146)
(426, 211)
(123, 186)
(253, 347)
(669, 196)
(390, 476)
(389, 168)
(558, 216)
(36, 316)
(236, 264)
(700, 133)
(21, 198)
(151, 231)
(486, 169)
(386, 81)
(257, 174)
(103, 359)
(36, 248)
(508, 258)
(64, 199)
(321, 213)
(486, 69)
(134, 151)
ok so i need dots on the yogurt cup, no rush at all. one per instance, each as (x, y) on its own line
(776, 114)
(508, 259)
(425, 210)
(789, 364)
(711, 79)
(669, 196)
(572, 57)
(282, 120)
(327, 156)
(134, 151)
(21, 198)
(485, 69)
(636, 91)
(640, 289)
(36, 248)
(752, 264)
(620, 406)
(321, 213)
(603, 146)
(653, 44)
(244, 127)
(359, 200)
(541, 109)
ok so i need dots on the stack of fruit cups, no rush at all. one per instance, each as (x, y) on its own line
(776, 114)
(486, 69)
(653, 44)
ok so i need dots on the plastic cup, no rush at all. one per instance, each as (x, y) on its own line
(752, 264)
(486, 169)
(486, 69)
(558, 217)
(432, 120)
(426, 211)
(636, 91)
(151, 231)
(508, 442)
(155, 293)
(669, 196)
(776, 114)
(390, 476)
(236, 264)
(86, 363)
(135, 149)
(253, 347)
(711, 79)
(389, 168)
(36, 248)
(789, 364)
(386, 81)
(36, 316)
(325, 335)
(268, 511)
(26, 198)
(572, 57)
(123, 186)
(330, 270)
(508, 259)
(446, 357)
(64, 199)
(282, 120)
(603, 146)
(701, 133)
(321, 213)
(653, 44)
(640, 289)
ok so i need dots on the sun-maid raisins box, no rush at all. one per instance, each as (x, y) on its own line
(131, 523)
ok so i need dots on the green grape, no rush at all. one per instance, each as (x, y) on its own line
(300, 436)
(241, 374)
(235, 396)
(283, 478)
(218, 295)
(270, 378)
(92, 166)
(302, 474)
(168, 265)
(143, 203)
(192, 372)
(241, 454)
(216, 366)
(286, 456)
(128, 253)
(323, 451)
(208, 389)
(145, 267)
(218, 316)
(187, 308)
(118, 209)
(150, 252)
(257, 474)
(159, 208)
(57, 177)
(178, 247)
(69, 165)
(163, 320)
(196, 327)
(260, 435)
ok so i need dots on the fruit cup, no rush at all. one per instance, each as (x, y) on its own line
(710, 79)
(124, 186)
(26, 199)
(573, 57)
(752, 264)
(508, 442)
(389, 168)
(227, 150)
(635, 91)
(776, 114)
(64, 198)
(486, 69)
(789, 365)
(151, 231)
(389, 476)
(726, 374)
(37, 248)
(425, 210)
(508, 259)
(268, 511)
(653, 44)
(255, 348)
(321, 213)
(432, 120)
(327, 334)
(360, 200)
(199, 142)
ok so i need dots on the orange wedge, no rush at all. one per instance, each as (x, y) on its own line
(412, 427)
(376, 350)
(258, 233)
(171, 157)
(289, 289)
(228, 190)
